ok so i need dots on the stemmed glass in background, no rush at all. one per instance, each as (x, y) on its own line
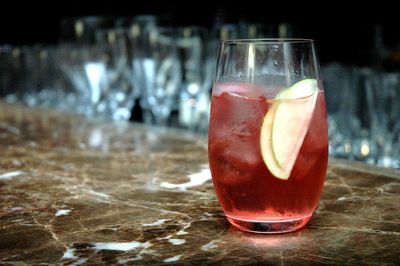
(84, 69)
(140, 31)
(119, 94)
(158, 72)
(192, 55)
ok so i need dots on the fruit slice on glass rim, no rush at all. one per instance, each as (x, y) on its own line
(285, 126)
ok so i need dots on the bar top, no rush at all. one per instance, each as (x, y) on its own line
(79, 191)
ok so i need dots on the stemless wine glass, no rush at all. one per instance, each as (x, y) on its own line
(268, 140)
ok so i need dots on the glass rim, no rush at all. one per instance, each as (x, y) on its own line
(268, 41)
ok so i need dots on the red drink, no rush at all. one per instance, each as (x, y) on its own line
(251, 196)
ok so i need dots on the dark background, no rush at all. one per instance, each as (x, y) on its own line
(344, 31)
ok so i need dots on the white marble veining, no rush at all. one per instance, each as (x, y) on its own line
(125, 261)
(79, 262)
(196, 179)
(11, 129)
(183, 230)
(157, 223)
(173, 259)
(177, 242)
(121, 246)
(63, 212)
(11, 175)
(15, 209)
(69, 255)
(99, 194)
(210, 245)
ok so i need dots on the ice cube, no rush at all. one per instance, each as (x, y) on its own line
(241, 89)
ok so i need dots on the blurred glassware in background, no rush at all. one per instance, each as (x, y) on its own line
(194, 93)
(46, 78)
(117, 95)
(6, 71)
(363, 108)
(103, 66)
(383, 103)
(28, 56)
(84, 69)
(257, 30)
(140, 31)
(81, 30)
(160, 78)
(13, 75)
(215, 36)
(340, 83)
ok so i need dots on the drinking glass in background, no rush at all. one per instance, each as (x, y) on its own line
(29, 82)
(216, 35)
(81, 30)
(4, 79)
(342, 85)
(194, 92)
(99, 78)
(140, 30)
(118, 95)
(7, 64)
(156, 65)
(50, 83)
(268, 142)
(382, 94)
(72, 75)
(21, 74)
(32, 75)
(41, 69)
(13, 73)
(257, 30)
(84, 70)
(363, 105)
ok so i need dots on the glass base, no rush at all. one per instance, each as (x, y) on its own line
(269, 227)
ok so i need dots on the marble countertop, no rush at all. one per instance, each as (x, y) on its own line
(75, 191)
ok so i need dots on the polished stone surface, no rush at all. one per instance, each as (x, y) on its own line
(76, 191)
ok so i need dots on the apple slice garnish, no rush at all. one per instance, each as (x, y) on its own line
(285, 126)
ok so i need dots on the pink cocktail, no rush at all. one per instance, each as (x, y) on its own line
(268, 153)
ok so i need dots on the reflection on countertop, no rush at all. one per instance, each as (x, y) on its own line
(77, 191)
